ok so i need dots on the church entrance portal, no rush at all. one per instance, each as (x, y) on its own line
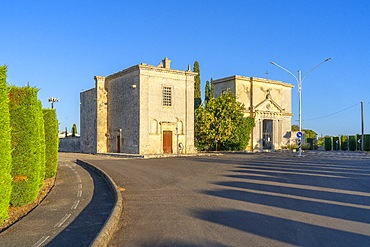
(267, 134)
(167, 142)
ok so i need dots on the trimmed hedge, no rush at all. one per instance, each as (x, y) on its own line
(367, 142)
(52, 141)
(42, 145)
(328, 143)
(5, 148)
(344, 142)
(25, 118)
(336, 143)
(352, 143)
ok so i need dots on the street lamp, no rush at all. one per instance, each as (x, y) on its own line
(52, 100)
(299, 81)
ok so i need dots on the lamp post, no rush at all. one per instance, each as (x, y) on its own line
(52, 100)
(299, 81)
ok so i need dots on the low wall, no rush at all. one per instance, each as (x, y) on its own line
(69, 144)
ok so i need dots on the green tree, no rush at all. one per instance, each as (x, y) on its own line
(24, 110)
(221, 122)
(74, 130)
(197, 94)
(295, 127)
(310, 133)
(5, 148)
(51, 141)
(209, 91)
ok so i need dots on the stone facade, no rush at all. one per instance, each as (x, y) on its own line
(143, 109)
(269, 102)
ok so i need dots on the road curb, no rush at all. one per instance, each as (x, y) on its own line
(110, 226)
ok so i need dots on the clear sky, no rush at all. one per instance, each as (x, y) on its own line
(59, 46)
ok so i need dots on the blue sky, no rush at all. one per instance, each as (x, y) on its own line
(59, 46)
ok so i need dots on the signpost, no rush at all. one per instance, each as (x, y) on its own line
(299, 141)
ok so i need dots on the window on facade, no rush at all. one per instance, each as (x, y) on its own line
(167, 96)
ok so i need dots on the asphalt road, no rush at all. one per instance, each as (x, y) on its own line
(71, 215)
(243, 200)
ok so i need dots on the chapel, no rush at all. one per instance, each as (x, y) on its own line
(269, 102)
(143, 109)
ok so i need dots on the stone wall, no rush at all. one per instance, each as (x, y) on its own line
(88, 112)
(70, 145)
(123, 90)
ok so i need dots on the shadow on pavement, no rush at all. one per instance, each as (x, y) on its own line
(83, 230)
(296, 233)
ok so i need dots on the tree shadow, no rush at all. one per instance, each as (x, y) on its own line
(283, 230)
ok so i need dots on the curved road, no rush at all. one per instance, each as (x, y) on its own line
(243, 200)
(71, 215)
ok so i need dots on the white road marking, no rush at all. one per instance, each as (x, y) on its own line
(75, 204)
(41, 241)
(80, 186)
(79, 193)
(60, 223)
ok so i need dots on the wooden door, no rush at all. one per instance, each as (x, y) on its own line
(118, 144)
(167, 142)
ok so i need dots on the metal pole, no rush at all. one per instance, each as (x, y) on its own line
(362, 126)
(300, 109)
(299, 81)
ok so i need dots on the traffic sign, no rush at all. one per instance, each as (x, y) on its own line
(299, 134)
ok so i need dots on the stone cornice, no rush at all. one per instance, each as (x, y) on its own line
(254, 79)
(146, 67)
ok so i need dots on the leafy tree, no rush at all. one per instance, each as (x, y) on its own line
(197, 94)
(5, 148)
(74, 130)
(310, 133)
(209, 91)
(206, 93)
(221, 122)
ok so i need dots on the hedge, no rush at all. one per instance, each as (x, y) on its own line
(52, 141)
(367, 142)
(24, 111)
(328, 143)
(344, 142)
(336, 143)
(5, 148)
(42, 145)
(352, 143)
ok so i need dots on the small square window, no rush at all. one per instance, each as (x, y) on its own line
(167, 96)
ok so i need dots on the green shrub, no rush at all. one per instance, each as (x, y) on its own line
(41, 145)
(358, 143)
(367, 142)
(310, 143)
(51, 141)
(352, 142)
(5, 148)
(328, 143)
(25, 139)
(344, 142)
(336, 143)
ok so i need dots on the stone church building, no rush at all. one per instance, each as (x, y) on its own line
(143, 109)
(269, 102)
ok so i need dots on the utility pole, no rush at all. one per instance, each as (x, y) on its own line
(362, 126)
